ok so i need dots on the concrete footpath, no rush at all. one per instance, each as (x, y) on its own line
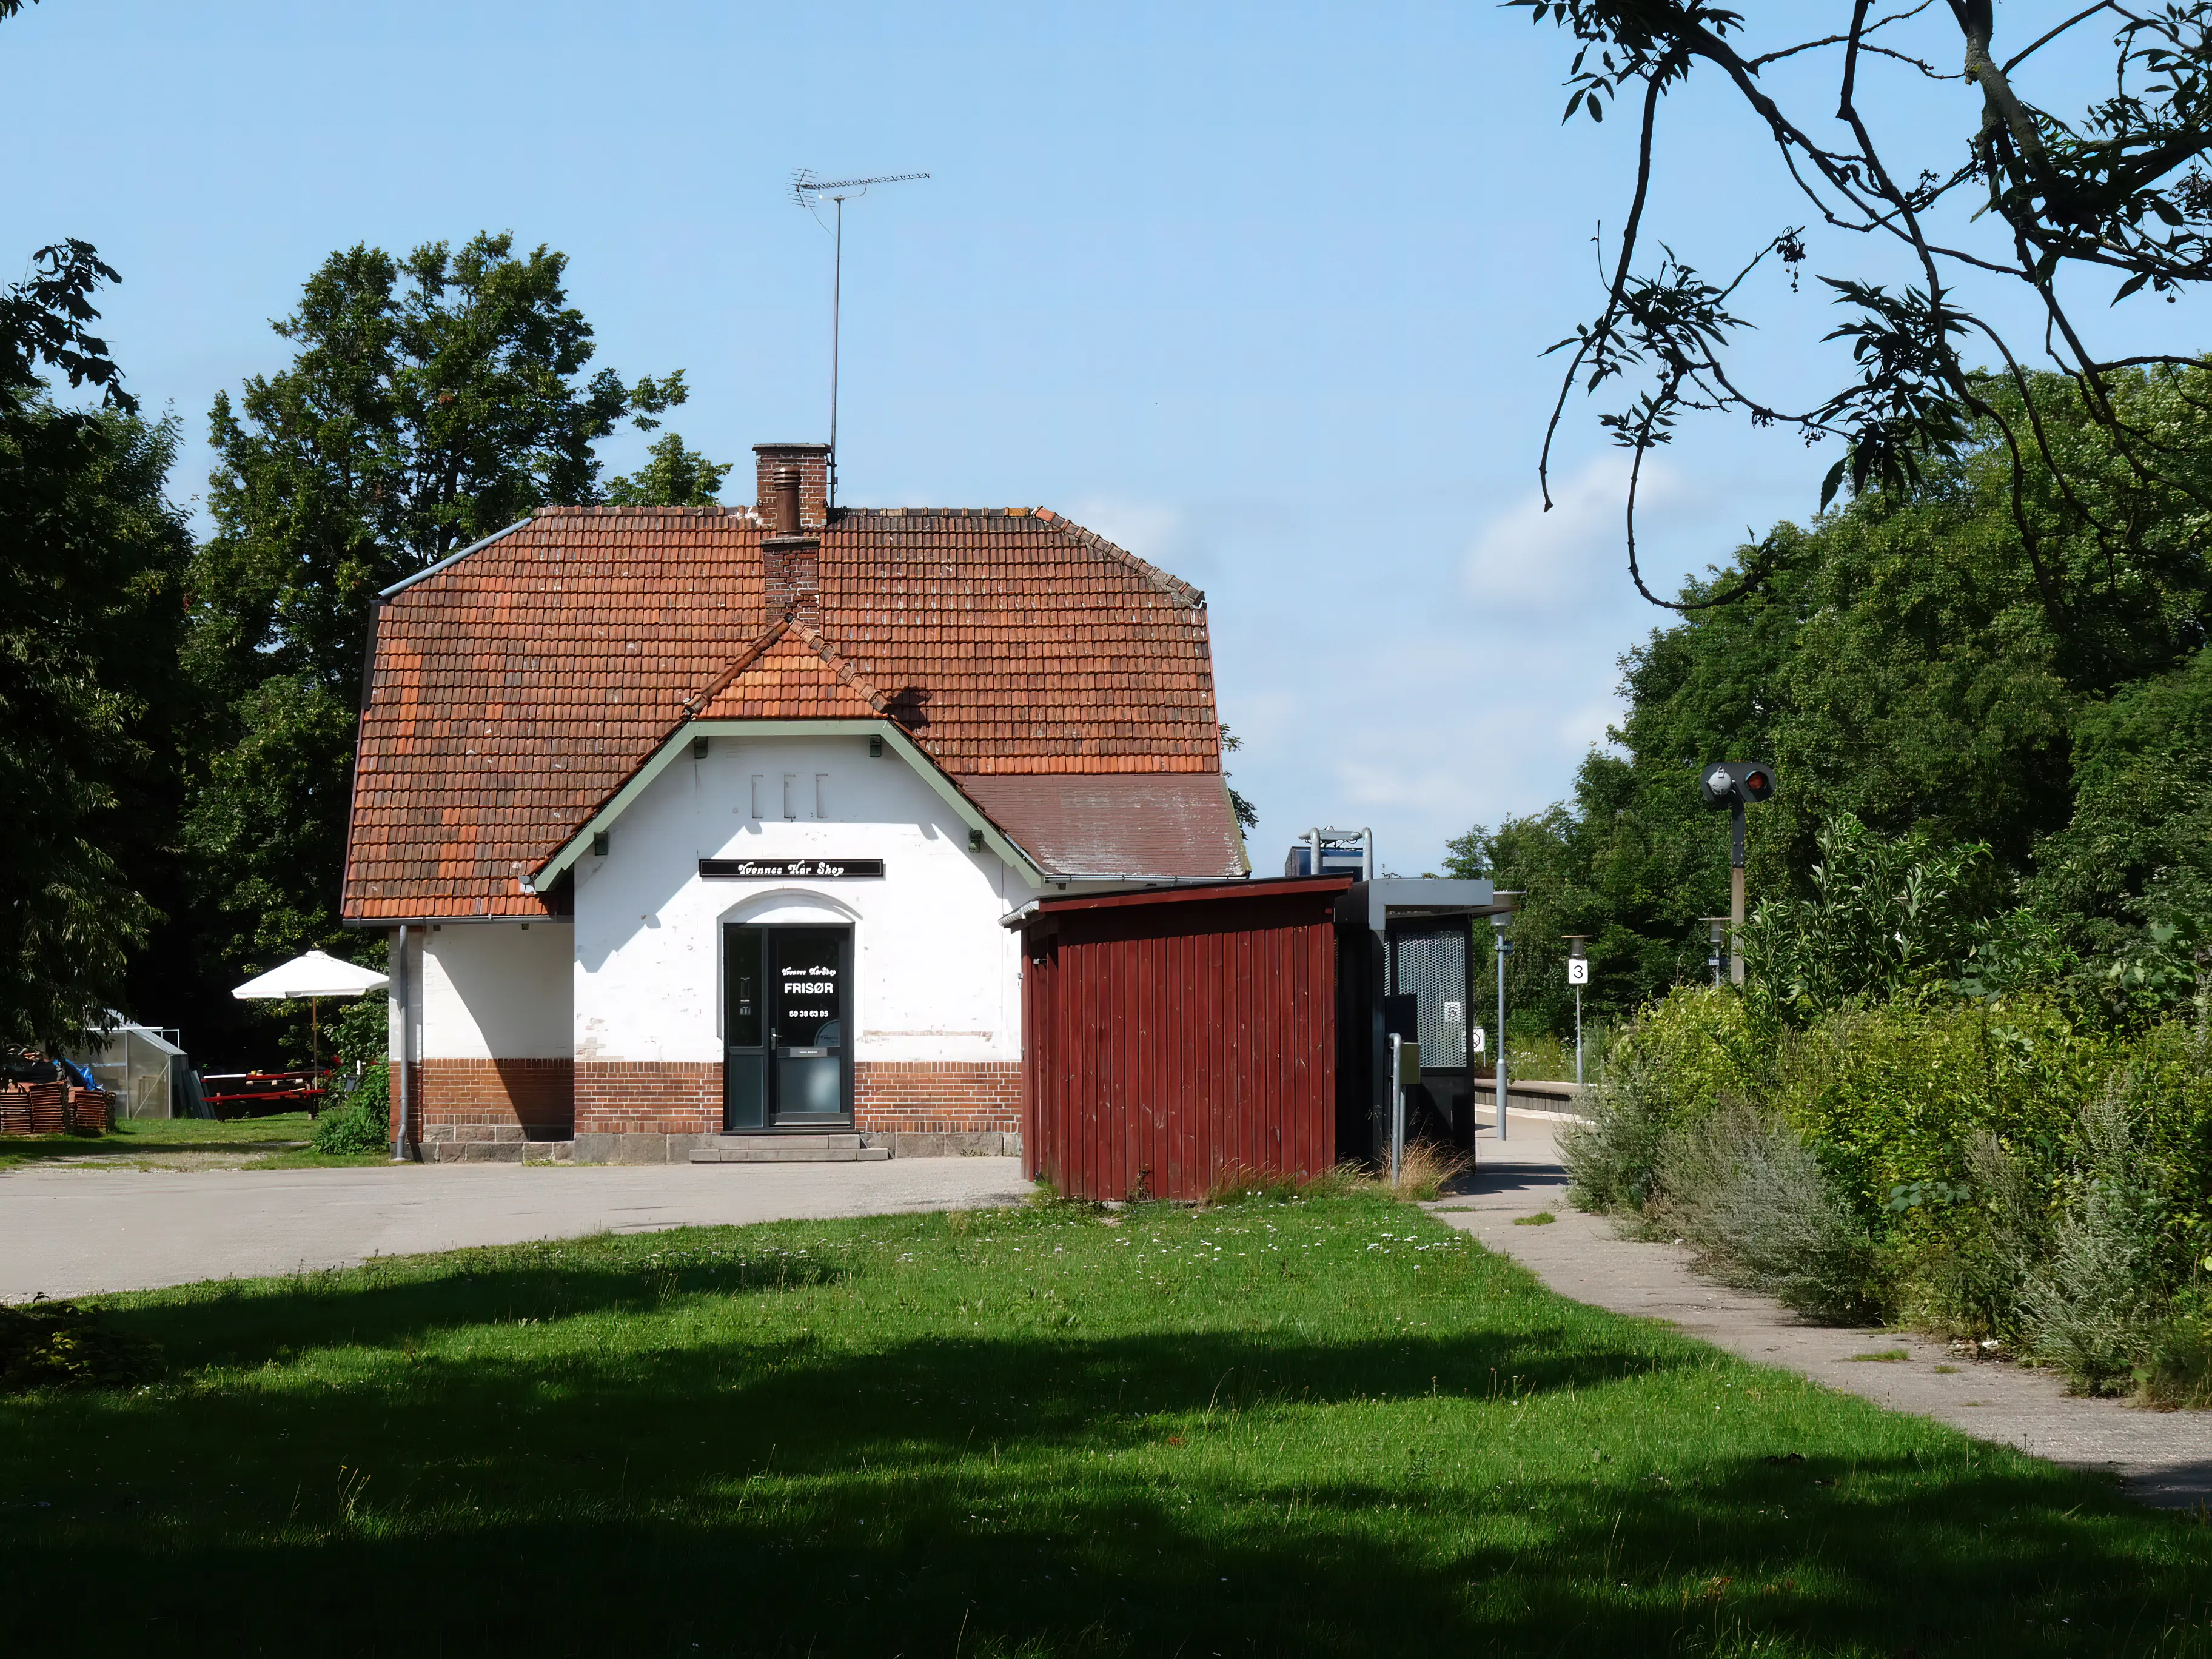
(2163, 1458)
(70, 1232)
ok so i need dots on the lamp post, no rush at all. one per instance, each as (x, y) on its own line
(1577, 976)
(1498, 921)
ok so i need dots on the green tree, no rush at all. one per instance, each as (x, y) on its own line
(2138, 846)
(672, 476)
(430, 401)
(92, 562)
(1898, 666)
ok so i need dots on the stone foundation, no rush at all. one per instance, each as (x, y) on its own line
(635, 1146)
(988, 1143)
(482, 1143)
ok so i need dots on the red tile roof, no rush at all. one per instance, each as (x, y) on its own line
(513, 690)
(788, 674)
(1116, 824)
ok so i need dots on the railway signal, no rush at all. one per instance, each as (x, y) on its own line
(1733, 785)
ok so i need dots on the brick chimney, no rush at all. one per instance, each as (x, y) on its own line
(811, 462)
(794, 506)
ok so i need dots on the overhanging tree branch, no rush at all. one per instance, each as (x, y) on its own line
(2119, 196)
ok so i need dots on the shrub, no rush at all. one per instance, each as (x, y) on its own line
(2178, 1370)
(1938, 1161)
(1667, 1068)
(1961, 1263)
(1613, 1155)
(363, 1123)
(1888, 918)
(1747, 1191)
(59, 1345)
(2094, 1304)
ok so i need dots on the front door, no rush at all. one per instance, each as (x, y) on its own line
(786, 1017)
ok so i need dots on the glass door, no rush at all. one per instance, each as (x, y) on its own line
(786, 1014)
(745, 1019)
(810, 1078)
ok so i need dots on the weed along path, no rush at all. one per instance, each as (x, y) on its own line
(2161, 1457)
(73, 1231)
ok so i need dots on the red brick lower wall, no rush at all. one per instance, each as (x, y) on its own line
(556, 1099)
(649, 1096)
(538, 1096)
(929, 1097)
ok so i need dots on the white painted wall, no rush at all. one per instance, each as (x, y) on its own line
(936, 977)
(496, 991)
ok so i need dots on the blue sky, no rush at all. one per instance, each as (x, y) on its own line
(1258, 291)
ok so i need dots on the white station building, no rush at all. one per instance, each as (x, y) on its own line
(694, 828)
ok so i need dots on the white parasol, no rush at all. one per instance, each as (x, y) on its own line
(308, 978)
(318, 974)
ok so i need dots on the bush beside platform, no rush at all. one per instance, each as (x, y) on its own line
(1993, 1169)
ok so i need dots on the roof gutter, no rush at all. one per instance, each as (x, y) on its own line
(1020, 915)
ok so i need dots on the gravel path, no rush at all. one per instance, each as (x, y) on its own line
(2163, 1458)
(72, 1231)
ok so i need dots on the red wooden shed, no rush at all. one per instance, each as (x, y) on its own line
(1174, 1037)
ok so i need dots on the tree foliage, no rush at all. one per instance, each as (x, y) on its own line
(1887, 918)
(672, 476)
(1898, 669)
(92, 561)
(430, 401)
(2107, 205)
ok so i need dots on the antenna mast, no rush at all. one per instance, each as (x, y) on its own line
(807, 191)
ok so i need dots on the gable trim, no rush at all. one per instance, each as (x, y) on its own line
(890, 730)
(406, 582)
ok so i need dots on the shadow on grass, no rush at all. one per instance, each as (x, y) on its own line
(1035, 1493)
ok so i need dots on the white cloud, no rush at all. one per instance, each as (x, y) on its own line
(1155, 531)
(1529, 561)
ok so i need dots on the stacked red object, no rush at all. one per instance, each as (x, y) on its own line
(89, 1111)
(15, 1110)
(49, 1108)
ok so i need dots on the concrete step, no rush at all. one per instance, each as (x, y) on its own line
(843, 1148)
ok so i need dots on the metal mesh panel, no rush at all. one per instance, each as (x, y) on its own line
(1434, 970)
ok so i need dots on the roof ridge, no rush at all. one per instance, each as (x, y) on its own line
(838, 665)
(428, 571)
(1173, 586)
(612, 510)
(937, 512)
(745, 659)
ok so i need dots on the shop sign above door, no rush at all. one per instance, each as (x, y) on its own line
(792, 869)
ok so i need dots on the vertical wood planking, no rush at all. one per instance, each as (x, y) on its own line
(1172, 1042)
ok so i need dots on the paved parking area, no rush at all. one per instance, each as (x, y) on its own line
(70, 1232)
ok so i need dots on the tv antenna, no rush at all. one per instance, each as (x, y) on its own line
(807, 191)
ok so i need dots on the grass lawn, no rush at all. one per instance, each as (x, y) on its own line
(280, 1139)
(159, 1137)
(1324, 1426)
